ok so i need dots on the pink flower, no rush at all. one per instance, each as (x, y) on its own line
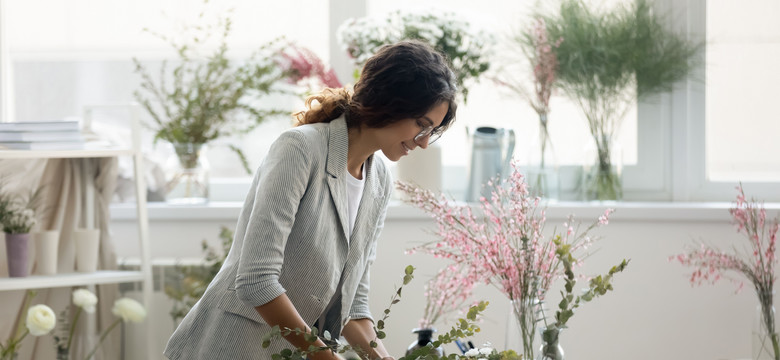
(303, 65)
(757, 265)
(604, 219)
(500, 242)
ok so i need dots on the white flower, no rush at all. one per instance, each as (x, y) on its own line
(85, 299)
(129, 310)
(471, 352)
(486, 351)
(40, 319)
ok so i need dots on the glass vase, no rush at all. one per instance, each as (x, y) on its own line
(521, 327)
(542, 171)
(602, 170)
(187, 180)
(765, 337)
(551, 349)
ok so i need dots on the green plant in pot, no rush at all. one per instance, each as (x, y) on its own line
(606, 61)
(206, 97)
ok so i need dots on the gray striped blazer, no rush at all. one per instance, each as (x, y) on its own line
(291, 237)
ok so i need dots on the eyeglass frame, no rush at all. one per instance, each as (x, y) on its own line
(434, 132)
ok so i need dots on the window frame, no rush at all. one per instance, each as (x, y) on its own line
(689, 127)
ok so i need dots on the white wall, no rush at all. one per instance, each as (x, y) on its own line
(652, 314)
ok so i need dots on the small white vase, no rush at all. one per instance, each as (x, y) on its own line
(46, 244)
(87, 245)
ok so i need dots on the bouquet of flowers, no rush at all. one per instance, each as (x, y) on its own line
(544, 64)
(465, 327)
(210, 96)
(466, 49)
(503, 245)
(755, 262)
(606, 62)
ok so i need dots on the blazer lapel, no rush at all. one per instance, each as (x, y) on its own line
(368, 213)
(337, 169)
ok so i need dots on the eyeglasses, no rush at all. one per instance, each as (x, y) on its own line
(433, 132)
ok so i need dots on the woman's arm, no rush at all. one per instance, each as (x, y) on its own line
(359, 333)
(280, 311)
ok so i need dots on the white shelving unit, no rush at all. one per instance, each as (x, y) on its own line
(108, 276)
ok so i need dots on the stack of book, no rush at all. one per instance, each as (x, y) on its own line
(41, 135)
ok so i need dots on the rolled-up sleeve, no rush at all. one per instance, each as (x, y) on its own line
(280, 183)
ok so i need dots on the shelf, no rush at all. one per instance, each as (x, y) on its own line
(89, 152)
(69, 279)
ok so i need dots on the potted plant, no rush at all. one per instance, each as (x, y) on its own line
(17, 217)
(606, 61)
(204, 98)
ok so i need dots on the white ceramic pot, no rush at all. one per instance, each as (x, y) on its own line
(46, 245)
(87, 245)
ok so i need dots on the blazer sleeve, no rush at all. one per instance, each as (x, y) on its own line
(282, 181)
(360, 309)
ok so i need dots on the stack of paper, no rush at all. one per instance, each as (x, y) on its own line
(41, 135)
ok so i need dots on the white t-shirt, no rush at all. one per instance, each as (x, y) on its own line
(354, 194)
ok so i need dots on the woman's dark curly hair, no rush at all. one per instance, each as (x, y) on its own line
(401, 81)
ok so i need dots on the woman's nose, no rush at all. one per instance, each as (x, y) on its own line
(423, 142)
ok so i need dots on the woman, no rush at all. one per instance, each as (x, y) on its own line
(307, 234)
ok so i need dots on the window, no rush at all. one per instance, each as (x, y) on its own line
(78, 53)
(723, 126)
(742, 87)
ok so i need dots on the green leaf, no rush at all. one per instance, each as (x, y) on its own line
(409, 270)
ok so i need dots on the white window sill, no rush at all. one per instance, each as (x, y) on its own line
(625, 211)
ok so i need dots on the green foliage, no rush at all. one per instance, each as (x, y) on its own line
(597, 286)
(210, 96)
(608, 60)
(609, 52)
(311, 337)
(192, 281)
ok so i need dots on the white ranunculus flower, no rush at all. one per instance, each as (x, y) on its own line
(40, 319)
(129, 310)
(471, 352)
(486, 351)
(85, 299)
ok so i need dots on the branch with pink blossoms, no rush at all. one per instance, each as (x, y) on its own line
(503, 245)
(305, 67)
(756, 262)
(447, 292)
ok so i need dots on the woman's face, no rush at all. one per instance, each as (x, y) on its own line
(398, 139)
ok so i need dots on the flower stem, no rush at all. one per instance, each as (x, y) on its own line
(73, 327)
(102, 337)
